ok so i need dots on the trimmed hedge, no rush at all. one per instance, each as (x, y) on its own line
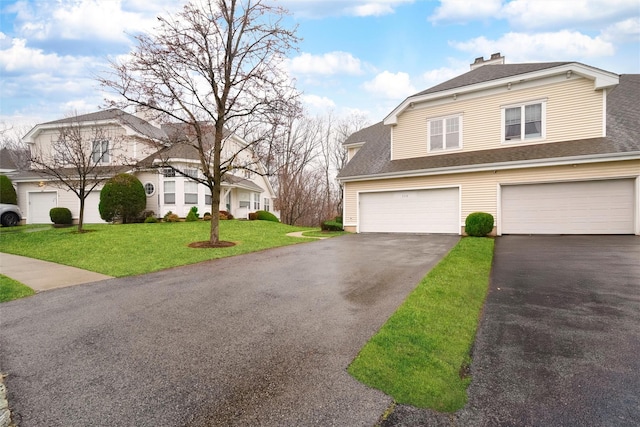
(478, 224)
(331, 226)
(122, 197)
(266, 216)
(7, 192)
(60, 216)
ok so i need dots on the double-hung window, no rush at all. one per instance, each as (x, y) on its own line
(170, 192)
(445, 133)
(190, 193)
(525, 121)
(207, 196)
(256, 201)
(100, 151)
(267, 206)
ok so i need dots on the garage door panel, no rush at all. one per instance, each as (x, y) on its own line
(412, 211)
(39, 206)
(594, 207)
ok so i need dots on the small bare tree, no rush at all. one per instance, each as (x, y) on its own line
(12, 145)
(215, 68)
(78, 158)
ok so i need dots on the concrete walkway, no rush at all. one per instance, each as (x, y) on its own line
(43, 275)
(299, 234)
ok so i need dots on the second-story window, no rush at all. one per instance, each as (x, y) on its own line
(100, 151)
(445, 133)
(522, 122)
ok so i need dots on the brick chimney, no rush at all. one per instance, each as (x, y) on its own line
(494, 59)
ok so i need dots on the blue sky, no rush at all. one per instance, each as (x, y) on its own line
(360, 56)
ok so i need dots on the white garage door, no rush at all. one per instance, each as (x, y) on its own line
(39, 206)
(91, 211)
(413, 211)
(594, 207)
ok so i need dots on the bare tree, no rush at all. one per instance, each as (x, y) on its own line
(12, 145)
(338, 158)
(215, 67)
(78, 158)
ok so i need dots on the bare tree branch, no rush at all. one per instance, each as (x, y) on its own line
(216, 67)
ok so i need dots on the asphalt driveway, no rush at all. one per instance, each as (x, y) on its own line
(559, 342)
(258, 339)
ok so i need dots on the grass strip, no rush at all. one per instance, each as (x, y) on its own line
(129, 249)
(12, 289)
(421, 354)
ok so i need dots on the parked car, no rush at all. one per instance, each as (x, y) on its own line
(10, 215)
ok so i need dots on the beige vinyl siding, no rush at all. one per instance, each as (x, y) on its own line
(573, 111)
(479, 190)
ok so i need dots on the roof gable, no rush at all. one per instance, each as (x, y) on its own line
(495, 75)
(622, 140)
(134, 124)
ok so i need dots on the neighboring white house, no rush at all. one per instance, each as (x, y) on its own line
(157, 164)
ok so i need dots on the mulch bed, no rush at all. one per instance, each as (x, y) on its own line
(208, 244)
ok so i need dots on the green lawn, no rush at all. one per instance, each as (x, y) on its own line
(129, 249)
(11, 289)
(421, 355)
(320, 233)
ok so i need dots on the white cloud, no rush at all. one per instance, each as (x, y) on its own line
(327, 64)
(88, 20)
(316, 102)
(323, 8)
(16, 56)
(442, 74)
(530, 14)
(623, 31)
(390, 86)
(461, 11)
(520, 47)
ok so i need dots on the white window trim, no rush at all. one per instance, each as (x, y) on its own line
(145, 188)
(444, 135)
(103, 152)
(523, 140)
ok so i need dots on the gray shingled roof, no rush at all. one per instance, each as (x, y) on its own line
(139, 125)
(490, 72)
(623, 136)
(186, 151)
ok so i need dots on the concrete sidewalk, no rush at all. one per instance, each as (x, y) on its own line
(43, 275)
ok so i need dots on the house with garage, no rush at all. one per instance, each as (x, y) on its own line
(546, 148)
(166, 165)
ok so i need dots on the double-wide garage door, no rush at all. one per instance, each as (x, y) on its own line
(593, 207)
(412, 211)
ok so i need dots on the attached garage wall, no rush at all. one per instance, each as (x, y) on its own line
(591, 207)
(479, 190)
(410, 211)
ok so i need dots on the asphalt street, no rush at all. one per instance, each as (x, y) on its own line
(259, 339)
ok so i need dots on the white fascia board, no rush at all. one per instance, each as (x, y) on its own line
(602, 80)
(354, 144)
(599, 158)
(29, 137)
